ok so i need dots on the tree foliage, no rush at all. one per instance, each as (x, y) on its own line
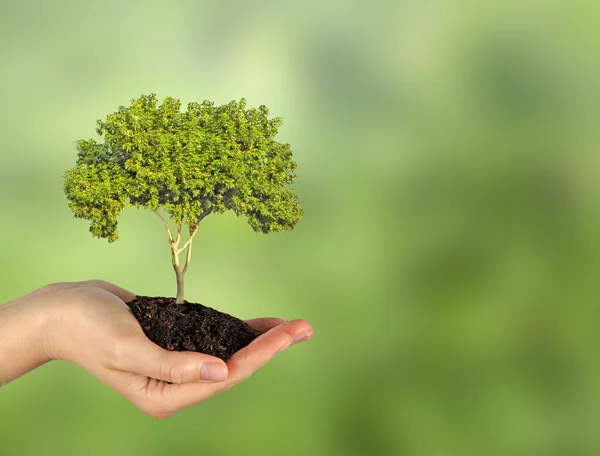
(203, 160)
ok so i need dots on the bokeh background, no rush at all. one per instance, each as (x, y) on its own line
(449, 254)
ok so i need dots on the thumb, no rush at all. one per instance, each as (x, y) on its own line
(143, 357)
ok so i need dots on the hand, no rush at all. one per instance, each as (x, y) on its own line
(88, 323)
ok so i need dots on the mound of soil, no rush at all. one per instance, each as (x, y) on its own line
(191, 327)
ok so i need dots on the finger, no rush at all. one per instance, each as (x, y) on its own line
(155, 397)
(247, 360)
(119, 292)
(147, 394)
(141, 356)
(264, 324)
(175, 397)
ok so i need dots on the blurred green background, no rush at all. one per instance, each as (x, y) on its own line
(448, 258)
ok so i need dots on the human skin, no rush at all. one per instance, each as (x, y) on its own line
(89, 324)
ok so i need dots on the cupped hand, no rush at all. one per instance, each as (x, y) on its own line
(89, 324)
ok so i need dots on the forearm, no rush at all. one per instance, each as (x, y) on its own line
(21, 339)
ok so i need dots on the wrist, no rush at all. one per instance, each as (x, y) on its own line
(22, 334)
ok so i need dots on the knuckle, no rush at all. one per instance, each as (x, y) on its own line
(84, 294)
(50, 287)
(95, 283)
(225, 386)
(153, 402)
(171, 373)
(161, 415)
(158, 413)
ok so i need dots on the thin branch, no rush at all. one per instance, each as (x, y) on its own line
(178, 235)
(204, 214)
(187, 259)
(193, 232)
(166, 225)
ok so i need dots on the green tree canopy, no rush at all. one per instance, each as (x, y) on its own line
(206, 159)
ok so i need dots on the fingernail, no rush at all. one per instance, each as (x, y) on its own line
(213, 372)
(301, 337)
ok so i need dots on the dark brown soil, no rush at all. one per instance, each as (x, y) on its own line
(191, 327)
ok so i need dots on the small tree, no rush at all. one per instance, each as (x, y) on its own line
(204, 160)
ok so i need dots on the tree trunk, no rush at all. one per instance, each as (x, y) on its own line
(179, 299)
(178, 273)
(175, 251)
